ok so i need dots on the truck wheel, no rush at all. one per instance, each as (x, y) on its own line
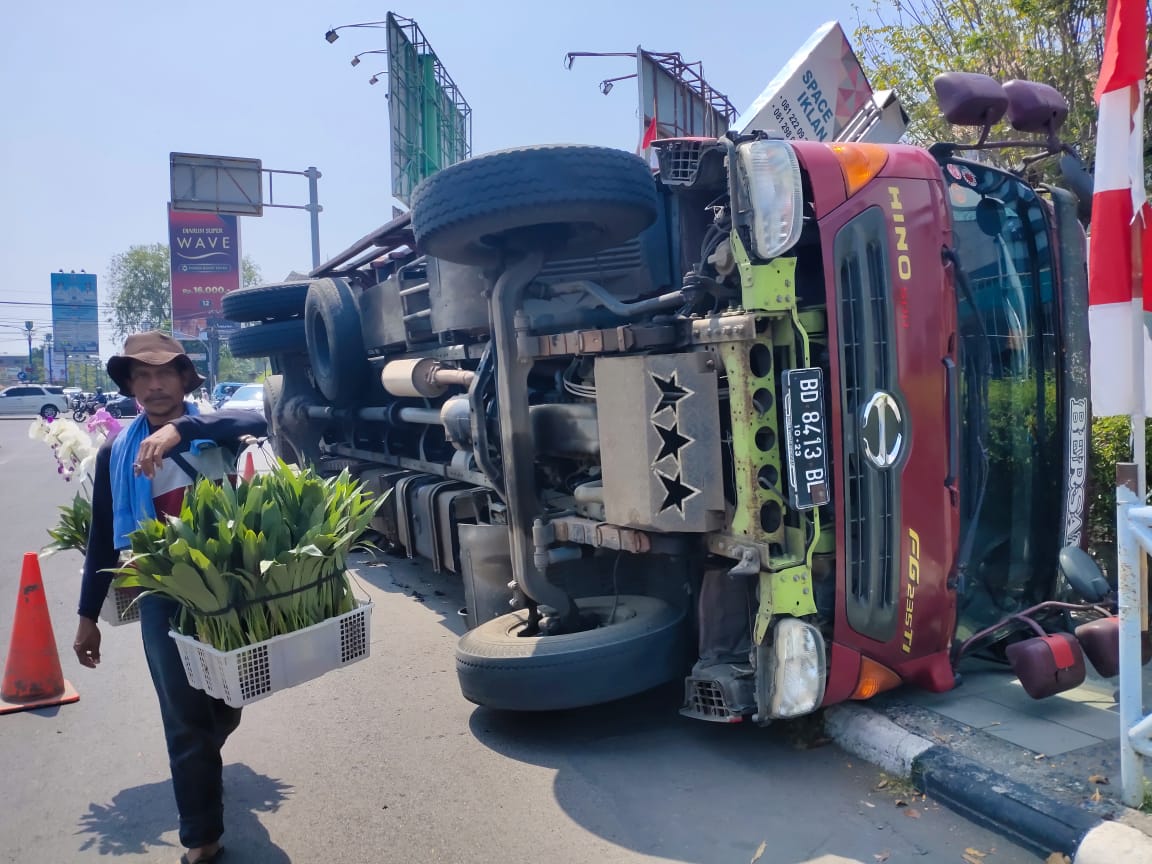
(569, 200)
(264, 340)
(273, 395)
(645, 647)
(272, 302)
(335, 343)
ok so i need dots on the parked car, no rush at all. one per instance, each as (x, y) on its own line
(34, 399)
(122, 406)
(250, 396)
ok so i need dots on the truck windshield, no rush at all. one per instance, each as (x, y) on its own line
(1008, 361)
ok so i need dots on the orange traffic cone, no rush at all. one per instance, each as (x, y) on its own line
(249, 468)
(32, 676)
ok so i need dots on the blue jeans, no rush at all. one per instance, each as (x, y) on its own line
(195, 727)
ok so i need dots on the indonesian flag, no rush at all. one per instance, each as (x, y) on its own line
(650, 134)
(1119, 289)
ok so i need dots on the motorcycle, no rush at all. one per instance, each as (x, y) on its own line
(83, 408)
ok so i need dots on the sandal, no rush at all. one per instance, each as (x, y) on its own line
(207, 859)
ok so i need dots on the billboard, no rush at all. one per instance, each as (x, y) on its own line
(204, 251)
(816, 94)
(676, 101)
(217, 184)
(430, 123)
(75, 318)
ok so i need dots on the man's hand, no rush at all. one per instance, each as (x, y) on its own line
(87, 644)
(154, 448)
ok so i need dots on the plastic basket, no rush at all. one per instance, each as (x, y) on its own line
(250, 673)
(116, 611)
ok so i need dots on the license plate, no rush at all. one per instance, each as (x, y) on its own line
(805, 438)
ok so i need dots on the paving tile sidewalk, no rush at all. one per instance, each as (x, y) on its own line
(1060, 756)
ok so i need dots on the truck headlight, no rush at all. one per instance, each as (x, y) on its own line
(770, 173)
(798, 670)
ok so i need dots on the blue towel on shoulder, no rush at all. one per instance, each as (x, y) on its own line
(132, 492)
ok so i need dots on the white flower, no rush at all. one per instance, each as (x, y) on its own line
(38, 431)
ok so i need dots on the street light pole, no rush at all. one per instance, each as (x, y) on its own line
(313, 209)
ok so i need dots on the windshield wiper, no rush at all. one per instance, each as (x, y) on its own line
(980, 372)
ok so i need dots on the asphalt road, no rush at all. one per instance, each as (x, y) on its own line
(385, 761)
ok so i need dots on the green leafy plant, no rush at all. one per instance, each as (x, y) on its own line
(71, 532)
(1111, 443)
(264, 559)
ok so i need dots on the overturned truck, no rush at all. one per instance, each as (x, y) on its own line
(790, 421)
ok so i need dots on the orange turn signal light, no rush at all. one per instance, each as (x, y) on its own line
(874, 679)
(859, 163)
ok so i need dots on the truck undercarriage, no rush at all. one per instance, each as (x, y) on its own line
(720, 422)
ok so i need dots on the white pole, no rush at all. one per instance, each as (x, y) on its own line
(1128, 554)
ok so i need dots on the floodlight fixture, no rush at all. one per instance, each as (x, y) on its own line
(356, 59)
(331, 35)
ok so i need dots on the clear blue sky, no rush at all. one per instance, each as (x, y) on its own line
(96, 95)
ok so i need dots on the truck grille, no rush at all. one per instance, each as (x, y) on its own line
(867, 364)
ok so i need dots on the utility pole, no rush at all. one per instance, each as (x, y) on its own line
(213, 353)
(48, 356)
(28, 327)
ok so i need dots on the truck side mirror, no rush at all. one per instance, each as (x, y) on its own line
(970, 99)
(1083, 574)
(1035, 107)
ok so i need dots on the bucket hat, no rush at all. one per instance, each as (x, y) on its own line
(156, 349)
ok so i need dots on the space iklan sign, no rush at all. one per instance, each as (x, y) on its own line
(816, 94)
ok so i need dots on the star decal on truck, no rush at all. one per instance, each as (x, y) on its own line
(665, 420)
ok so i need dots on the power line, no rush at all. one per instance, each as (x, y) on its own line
(57, 305)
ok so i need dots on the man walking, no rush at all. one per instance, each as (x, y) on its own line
(142, 473)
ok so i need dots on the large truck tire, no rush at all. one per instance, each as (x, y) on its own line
(273, 395)
(264, 340)
(273, 302)
(567, 200)
(335, 341)
(646, 647)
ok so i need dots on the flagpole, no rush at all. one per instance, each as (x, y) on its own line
(1139, 438)
(1132, 559)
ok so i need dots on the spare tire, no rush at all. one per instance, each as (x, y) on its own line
(645, 646)
(565, 200)
(335, 342)
(272, 302)
(265, 340)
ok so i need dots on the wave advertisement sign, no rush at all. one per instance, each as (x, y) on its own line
(205, 259)
(75, 319)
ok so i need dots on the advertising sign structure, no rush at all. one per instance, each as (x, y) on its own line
(217, 184)
(75, 317)
(431, 123)
(204, 250)
(676, 101)
(818, 94)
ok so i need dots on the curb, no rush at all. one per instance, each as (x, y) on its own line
(1018, 811)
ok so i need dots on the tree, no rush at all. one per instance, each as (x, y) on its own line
(142, 292)
(904, 44)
